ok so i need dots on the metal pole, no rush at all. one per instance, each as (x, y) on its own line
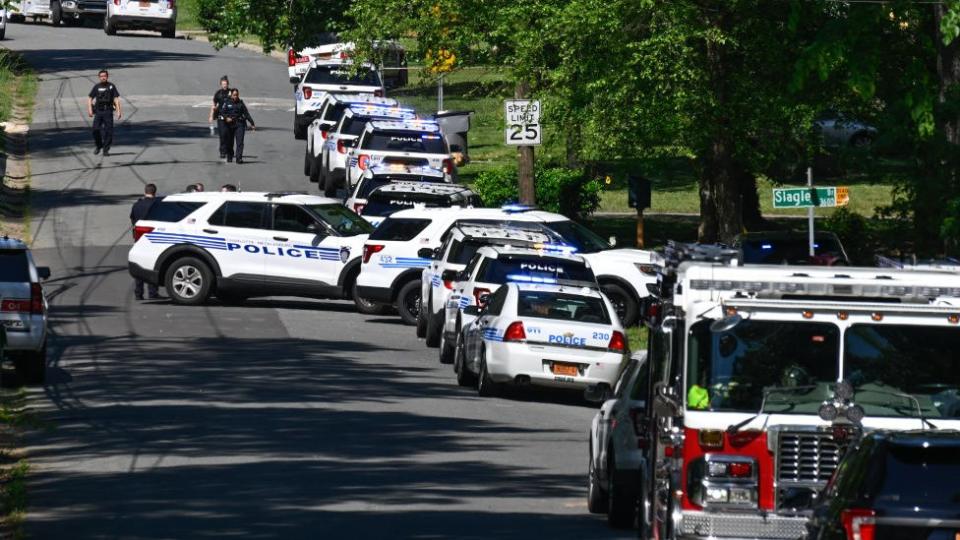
(810, 211)
(440, 93)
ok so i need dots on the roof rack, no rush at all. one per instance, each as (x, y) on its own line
(277, 194)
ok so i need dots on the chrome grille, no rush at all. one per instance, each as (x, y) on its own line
(806, 457)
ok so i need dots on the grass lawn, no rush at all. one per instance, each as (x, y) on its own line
(188, 13)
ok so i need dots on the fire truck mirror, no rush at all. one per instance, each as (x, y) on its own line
(726, 324)
(664, 404)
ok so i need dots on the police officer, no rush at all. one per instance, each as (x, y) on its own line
(104, 99)
(235, 119)
(222, 95)
(139, 211)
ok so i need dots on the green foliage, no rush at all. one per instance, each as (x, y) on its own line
(855, 233)
(565, 191)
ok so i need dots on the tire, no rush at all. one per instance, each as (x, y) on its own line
(299, 130)
(32, 367)
(861, 140)
(108, 28)
(623, 302)
(169, 33)
(596, 496)
(3, 33)
(621, 506)
(307, 162)
(465, 377)
(56, 14)
(188, 281)
(434, 328)
(446, 349)
(329, 186)
(314, 172)
(422, 321)
(365, 306)
(409, 302)
(486, 386)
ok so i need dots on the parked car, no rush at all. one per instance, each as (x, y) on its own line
(788, 247)
(75, 11)
(840, 131)
(23, 309)
(157, 15)
(893, 485)
(35, 9)
(3, 23)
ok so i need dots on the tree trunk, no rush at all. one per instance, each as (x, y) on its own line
(752, 218)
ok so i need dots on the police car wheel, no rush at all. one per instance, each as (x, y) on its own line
(299, 130)
(623, 303)
(409, 302)
(486, 386)
(434, 326)
(365, 306)
(306, 161)
(188, 281)
(421, 322)
(446, 349)
(329, 186)
(621, 506)
(56, 14)
(464, 376)
(596, 497)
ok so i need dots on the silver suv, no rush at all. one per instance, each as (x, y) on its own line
(23, 310)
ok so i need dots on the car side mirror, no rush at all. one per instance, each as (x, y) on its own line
(450, 275)
(43, 272)
(597, 393)
(471, 310)
(613, 241)
(483, 299)
(425, 253)
(294, 80)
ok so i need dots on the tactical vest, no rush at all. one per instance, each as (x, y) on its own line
(104, 99)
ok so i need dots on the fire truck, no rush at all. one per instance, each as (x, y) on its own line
(759, 376)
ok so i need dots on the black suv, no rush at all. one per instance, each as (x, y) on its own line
(786, 247)
(893, 486)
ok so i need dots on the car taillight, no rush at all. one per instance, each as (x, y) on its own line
(171, 4)
(363, 161)
(378, 92)
(307, 92)
(291, 54)
(448, 284)
(859, 523)
(358, 207)
(369, 250)
(617, 342)
(341, 148)
(344, 55)
(515, 332)
(447, 166)
(323, 134)
(477, 293)
(36, 299)
(116, 2)
(139, 231)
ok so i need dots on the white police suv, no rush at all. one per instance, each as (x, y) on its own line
(240, 245)
(560, 335)
(385, 200)
(491, 267)
(381, 175)
(339, 141)
(23, 310)
(410, 142)
(403, 245)
(326, 118)
(332, 77)
(460, 245)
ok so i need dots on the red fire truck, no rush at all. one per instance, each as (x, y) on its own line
(761, 374)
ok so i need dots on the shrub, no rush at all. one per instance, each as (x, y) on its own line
(856, 234)
(564, 191)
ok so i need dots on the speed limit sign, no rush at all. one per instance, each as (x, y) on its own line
(523, 121)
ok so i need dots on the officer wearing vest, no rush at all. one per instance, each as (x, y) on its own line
(222, 95)
(104, 99)
(235, 119)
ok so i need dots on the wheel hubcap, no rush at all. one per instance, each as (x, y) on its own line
(187, 281)
(412, 305)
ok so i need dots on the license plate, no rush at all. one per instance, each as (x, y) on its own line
(560, 368)
(144, 4)
(13, 324)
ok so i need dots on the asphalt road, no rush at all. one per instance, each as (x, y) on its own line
(280, 419)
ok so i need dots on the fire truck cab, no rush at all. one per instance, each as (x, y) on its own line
(760, 375)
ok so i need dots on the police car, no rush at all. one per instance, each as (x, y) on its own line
(411, 142)
(332, 77)
(560, 335)
(391, 55)
(491, 267)
(240, 245)
(326, 118)
(339, 141)
(23, 310)
(381, 175)
(385, 200)
(460, 245)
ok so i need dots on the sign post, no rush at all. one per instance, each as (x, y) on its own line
(523, 130)
(810, 197)
(810, 241)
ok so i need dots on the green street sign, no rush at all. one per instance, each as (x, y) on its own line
(804, 197)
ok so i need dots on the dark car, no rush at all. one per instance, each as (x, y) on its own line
(893, 486)
(787, 247)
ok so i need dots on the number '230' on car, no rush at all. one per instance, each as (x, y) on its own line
(543, 334)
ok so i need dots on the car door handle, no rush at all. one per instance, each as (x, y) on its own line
(280, 239)
(211, 231)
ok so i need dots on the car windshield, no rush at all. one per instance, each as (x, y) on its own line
(341, 219)
(578, 236)
(342, 75)
(562, 307)
(788, 250)
(13, 266)
(881, 360)
(730, 371)
(531, 268)
(406, 141)
(384, 204)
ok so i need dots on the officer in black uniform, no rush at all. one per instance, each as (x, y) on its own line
(223, 94)
(139, 211)
(235, 119)
(104, 99)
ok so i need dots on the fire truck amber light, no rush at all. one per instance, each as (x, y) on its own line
(953, 319)
(731, 311)
(843, 315)
(807, 314)
(877, 316)
(711, 438)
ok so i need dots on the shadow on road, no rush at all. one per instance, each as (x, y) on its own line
(57, 60)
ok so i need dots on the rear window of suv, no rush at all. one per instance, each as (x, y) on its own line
(14, 267)
(405, 141)
(914, 475)
(342, 75)
(399, 229)
(508, 266)
(171, 211)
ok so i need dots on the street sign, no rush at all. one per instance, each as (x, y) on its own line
(805, 197)
(523, 121)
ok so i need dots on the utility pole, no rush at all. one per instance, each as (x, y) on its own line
(527, 190)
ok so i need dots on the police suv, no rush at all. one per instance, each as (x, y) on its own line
(460, 245)
(333, 154)
(491, 267)
(385, 200)
(326, 118)
(240, 245)
(411, 142)
(381, 175)
(23, 310)
(333, 77)
(562, 334)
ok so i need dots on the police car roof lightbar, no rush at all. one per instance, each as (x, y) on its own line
(276, 194)
(515, 208)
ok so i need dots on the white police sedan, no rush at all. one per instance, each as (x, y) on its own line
(560, 335)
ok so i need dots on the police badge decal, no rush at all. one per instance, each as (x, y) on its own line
(344, 254)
